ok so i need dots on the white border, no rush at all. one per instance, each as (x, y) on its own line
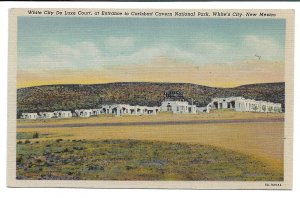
(137, 193)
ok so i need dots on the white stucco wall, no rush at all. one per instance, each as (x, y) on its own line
(178, 107)
(46, 115)
(241, 104)
(29, 116)
(125, 109)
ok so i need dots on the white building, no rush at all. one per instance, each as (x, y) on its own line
(96, 112)
(125, 109)
(29, 116)
(46, 115)
(242, 104)
(178, 107)
(201, 109)
(84, 112)
(87, 112)
(62, 114)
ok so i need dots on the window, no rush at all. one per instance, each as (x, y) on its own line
(169, 107)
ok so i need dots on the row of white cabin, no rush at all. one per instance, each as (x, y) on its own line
(243, 105)
(176, 107)
(116, 109)
(45, 115)
(119, 110)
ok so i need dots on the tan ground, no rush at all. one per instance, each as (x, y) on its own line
(263, 140)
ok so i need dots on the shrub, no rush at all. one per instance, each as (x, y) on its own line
(19, 142)
(59, 140)
(19, 159)
(35, 135)
(27, 141)
(79, 148)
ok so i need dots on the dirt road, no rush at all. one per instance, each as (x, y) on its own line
(151, 123)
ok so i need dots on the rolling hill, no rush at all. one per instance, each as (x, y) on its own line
(76, 96)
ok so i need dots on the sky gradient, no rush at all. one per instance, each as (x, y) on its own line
(212, 52)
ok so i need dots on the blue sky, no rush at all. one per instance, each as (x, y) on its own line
(61, 43)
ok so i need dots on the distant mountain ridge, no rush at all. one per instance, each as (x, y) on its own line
(76, 96)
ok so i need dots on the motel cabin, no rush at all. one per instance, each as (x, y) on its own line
(62, 114)
(125, 109)
(84, 112)
(178, 107)
(243, 105)
(46, 115)
(29, 116)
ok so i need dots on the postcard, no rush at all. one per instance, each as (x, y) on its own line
(150, 98)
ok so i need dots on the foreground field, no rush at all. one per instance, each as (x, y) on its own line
(136, 160)
(262, 141)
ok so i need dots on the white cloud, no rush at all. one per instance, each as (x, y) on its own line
(119, 43)
(152, 53)
(213, 52)
(244, 48)
(265, 47)
(212, 46)
(55, 55)
(200, 53)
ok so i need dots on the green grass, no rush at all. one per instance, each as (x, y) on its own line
(136, 160)
(30, 135)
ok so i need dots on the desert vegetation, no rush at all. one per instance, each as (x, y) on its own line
(136, 160)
